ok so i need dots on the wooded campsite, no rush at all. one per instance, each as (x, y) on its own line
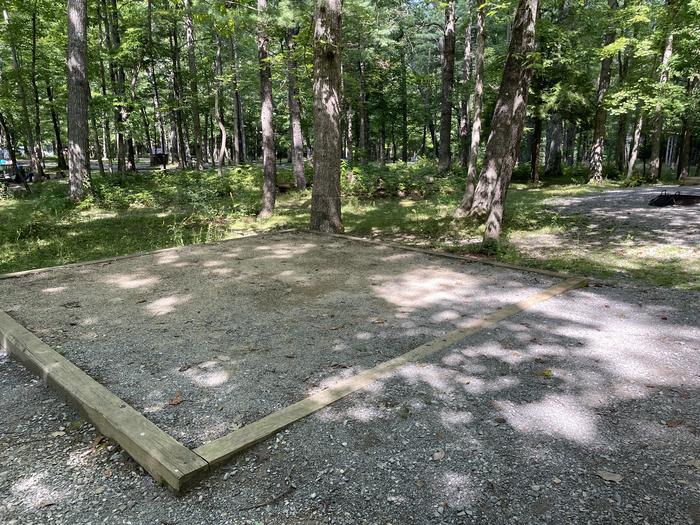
(349, 261)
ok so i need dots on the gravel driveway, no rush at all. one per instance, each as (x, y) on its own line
(582, 410)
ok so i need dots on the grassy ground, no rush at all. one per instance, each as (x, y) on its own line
(133, 213)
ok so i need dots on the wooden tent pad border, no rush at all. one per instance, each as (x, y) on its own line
(169, 461)
(222, 449)
(163, 457)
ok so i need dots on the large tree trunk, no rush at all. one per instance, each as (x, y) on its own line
(194, 86)
(655, 161)
(9, 143)
(266, 114)
(596, 155)
(507, 123)
(634, 150)
(62, 165)
(78, 100)
(468, 197)
(464, 106)
(240, 121)
(118, 81)
(448, 77)
(325, 202)
(295, 113)
(553, 169)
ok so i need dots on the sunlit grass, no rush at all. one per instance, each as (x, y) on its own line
(137, 213)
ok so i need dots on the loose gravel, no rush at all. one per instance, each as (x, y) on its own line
(583, 409)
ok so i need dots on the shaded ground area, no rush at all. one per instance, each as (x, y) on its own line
(206, 339)
(516, 425)
(617, 233)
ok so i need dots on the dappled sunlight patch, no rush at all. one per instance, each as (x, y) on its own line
(456, 420)
(458, 489)
(55, 289)
(131, 281)
(427, 286)
(208, 378)
(284, 251)
(167, 305)
(35, 493)
(357, 413)
(555, 415)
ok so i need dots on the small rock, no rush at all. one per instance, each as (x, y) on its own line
(100, 489)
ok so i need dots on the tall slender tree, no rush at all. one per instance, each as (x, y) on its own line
(448, 78)
(325, 202)
(266, 113)
(78, 100)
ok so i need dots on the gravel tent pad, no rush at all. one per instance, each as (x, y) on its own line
(515, 425)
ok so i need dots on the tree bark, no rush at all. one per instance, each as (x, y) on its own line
(655, 161)
(295, 112)
(466, 76)
(448, 77)
(364, 115)
(683, 169)
(218, 110)
(62, 165)
(78, 100)
(634, 150)
(37, 108)
(553, 169)
(325, 202)
(177, 96)
(194, 85)
(507, 123)
(468, 198)
(596, 155)
(266, 114)
(10, 142)
(35, 164)
(404, 105)
(535, 143)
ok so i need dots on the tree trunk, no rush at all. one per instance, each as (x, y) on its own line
(194, 86)
(350, 137)
(655, 161)
(466, 75)
(295, 113)
(62, 165)
(448, 77)
(596, 155)
(507, 123)
(468, 197)
(683, 169)
(35, 164)
(37, 109)
(553, 169)
(266, 114)
(535, 142)
(634, 150)
(10, 140)
(364, 115)
(404, 106)
(177, 95)
(325, 202)
(218, 111)
(78, 100)
(240, 121)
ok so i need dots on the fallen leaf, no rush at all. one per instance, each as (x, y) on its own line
(609, 476)
(57, 434)
(339, 327)
(44, 503)
(673, 423)
(98, 441)
(439, 455)
(108, 473)
(547, 372)
(176, 400)
(694, 463)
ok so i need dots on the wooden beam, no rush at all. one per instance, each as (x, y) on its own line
(163, 457)
(222, 449)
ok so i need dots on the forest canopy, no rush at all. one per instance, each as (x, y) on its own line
(609, 88)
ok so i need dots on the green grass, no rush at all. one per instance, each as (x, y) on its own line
(148, 211)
